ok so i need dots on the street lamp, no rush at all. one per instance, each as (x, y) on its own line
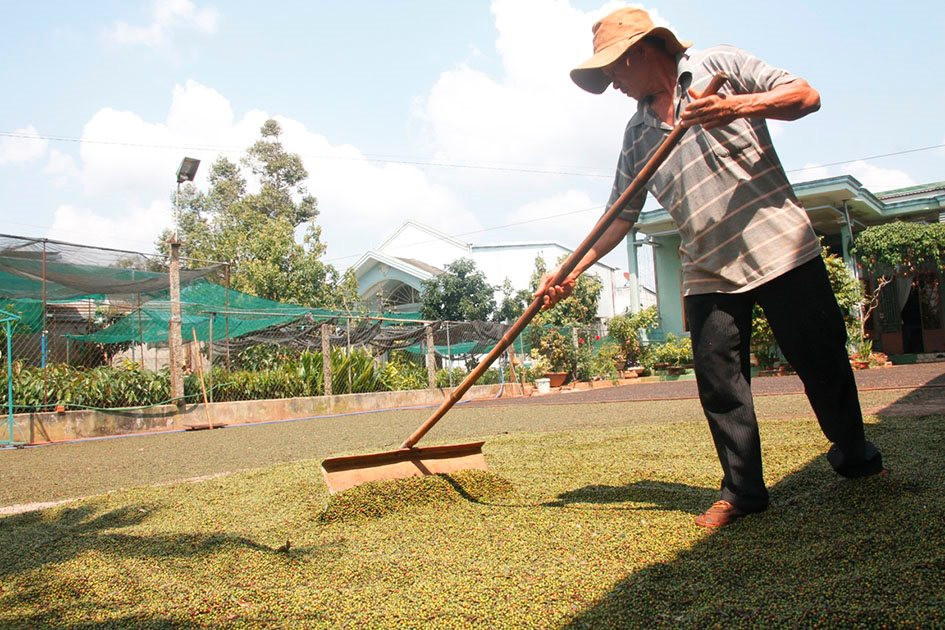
(187, 170)
(185, 173)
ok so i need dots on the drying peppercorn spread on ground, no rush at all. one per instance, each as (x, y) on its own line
(583, 520)
(380, 498)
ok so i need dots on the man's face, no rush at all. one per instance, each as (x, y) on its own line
(631, 74)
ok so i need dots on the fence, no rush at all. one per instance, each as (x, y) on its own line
(93, 332)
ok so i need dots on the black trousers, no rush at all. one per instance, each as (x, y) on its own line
(808, 325)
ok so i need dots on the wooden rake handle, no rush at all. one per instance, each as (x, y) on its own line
(566, 268)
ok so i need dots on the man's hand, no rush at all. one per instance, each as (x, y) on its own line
(554, 293)
(788, 101)
(713, 111)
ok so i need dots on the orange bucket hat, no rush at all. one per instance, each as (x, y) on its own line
(613, 36)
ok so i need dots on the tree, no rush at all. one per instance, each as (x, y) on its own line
(513, 304)
(256, 232)
(460, 293)
(900, 249)
(579, 308)
(894, 250)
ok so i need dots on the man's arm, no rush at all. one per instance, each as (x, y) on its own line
(616, 232)
(788, 101)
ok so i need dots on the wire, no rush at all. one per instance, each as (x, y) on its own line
(867, 158)
(588, 171)
(580, 171)
(480, 231)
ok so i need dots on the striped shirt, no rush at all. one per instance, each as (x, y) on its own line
(739, 221)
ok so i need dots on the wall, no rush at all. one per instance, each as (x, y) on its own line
(36, 428)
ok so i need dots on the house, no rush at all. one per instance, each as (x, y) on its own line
(390, 276)
(910, 318)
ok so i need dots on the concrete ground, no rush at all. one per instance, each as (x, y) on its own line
(35, 476)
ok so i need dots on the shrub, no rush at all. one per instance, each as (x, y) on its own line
(627, 330)
(676, 351)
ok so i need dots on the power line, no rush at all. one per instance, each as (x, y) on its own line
(480, 231)
(578, 171)
(868, 158)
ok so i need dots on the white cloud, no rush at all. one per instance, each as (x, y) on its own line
(533, 114)
(23, 146)
(61, 167)
(530, 117)
(776, 127)
(135, 229)
(875, 178)
(126, 161)
(878, 179)
(564, 217)
(810, 172)
(167, 15)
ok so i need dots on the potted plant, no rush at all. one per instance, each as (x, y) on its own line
(862, 352)
(559, 355)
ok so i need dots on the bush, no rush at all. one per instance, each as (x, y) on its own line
(557, 350)
(675, 351)
(627, 330)
(402, 373)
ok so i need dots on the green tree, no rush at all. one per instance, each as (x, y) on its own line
(900, 249)
(893, 250)
(256, 232)
(579, 308)
(513, 303)
(460, 293)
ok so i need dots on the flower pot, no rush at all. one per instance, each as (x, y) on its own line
(543, 385)
(556, 379)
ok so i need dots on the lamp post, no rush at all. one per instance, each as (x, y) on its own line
(185, 173)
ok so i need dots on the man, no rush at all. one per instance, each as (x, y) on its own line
(745, 239)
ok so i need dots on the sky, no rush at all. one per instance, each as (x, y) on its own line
(459, 115)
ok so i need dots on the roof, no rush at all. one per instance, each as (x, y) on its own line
(912, 190)
(419, 264)
(423, 228)
(406, 265)
(826, 200)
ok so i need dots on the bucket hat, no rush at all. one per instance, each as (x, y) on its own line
(613, 36)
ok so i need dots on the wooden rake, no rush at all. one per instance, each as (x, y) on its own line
(411, 460)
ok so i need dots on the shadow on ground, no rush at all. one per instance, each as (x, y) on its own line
(925, 400)
(62, 535)
(829, 550)
(659, 495)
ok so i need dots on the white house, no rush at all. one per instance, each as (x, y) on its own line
(390, 276)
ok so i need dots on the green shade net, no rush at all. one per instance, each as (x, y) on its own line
(29, 312)
(204, 306)
(74, 272)
(216, 313)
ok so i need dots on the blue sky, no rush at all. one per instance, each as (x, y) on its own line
(377, 96)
